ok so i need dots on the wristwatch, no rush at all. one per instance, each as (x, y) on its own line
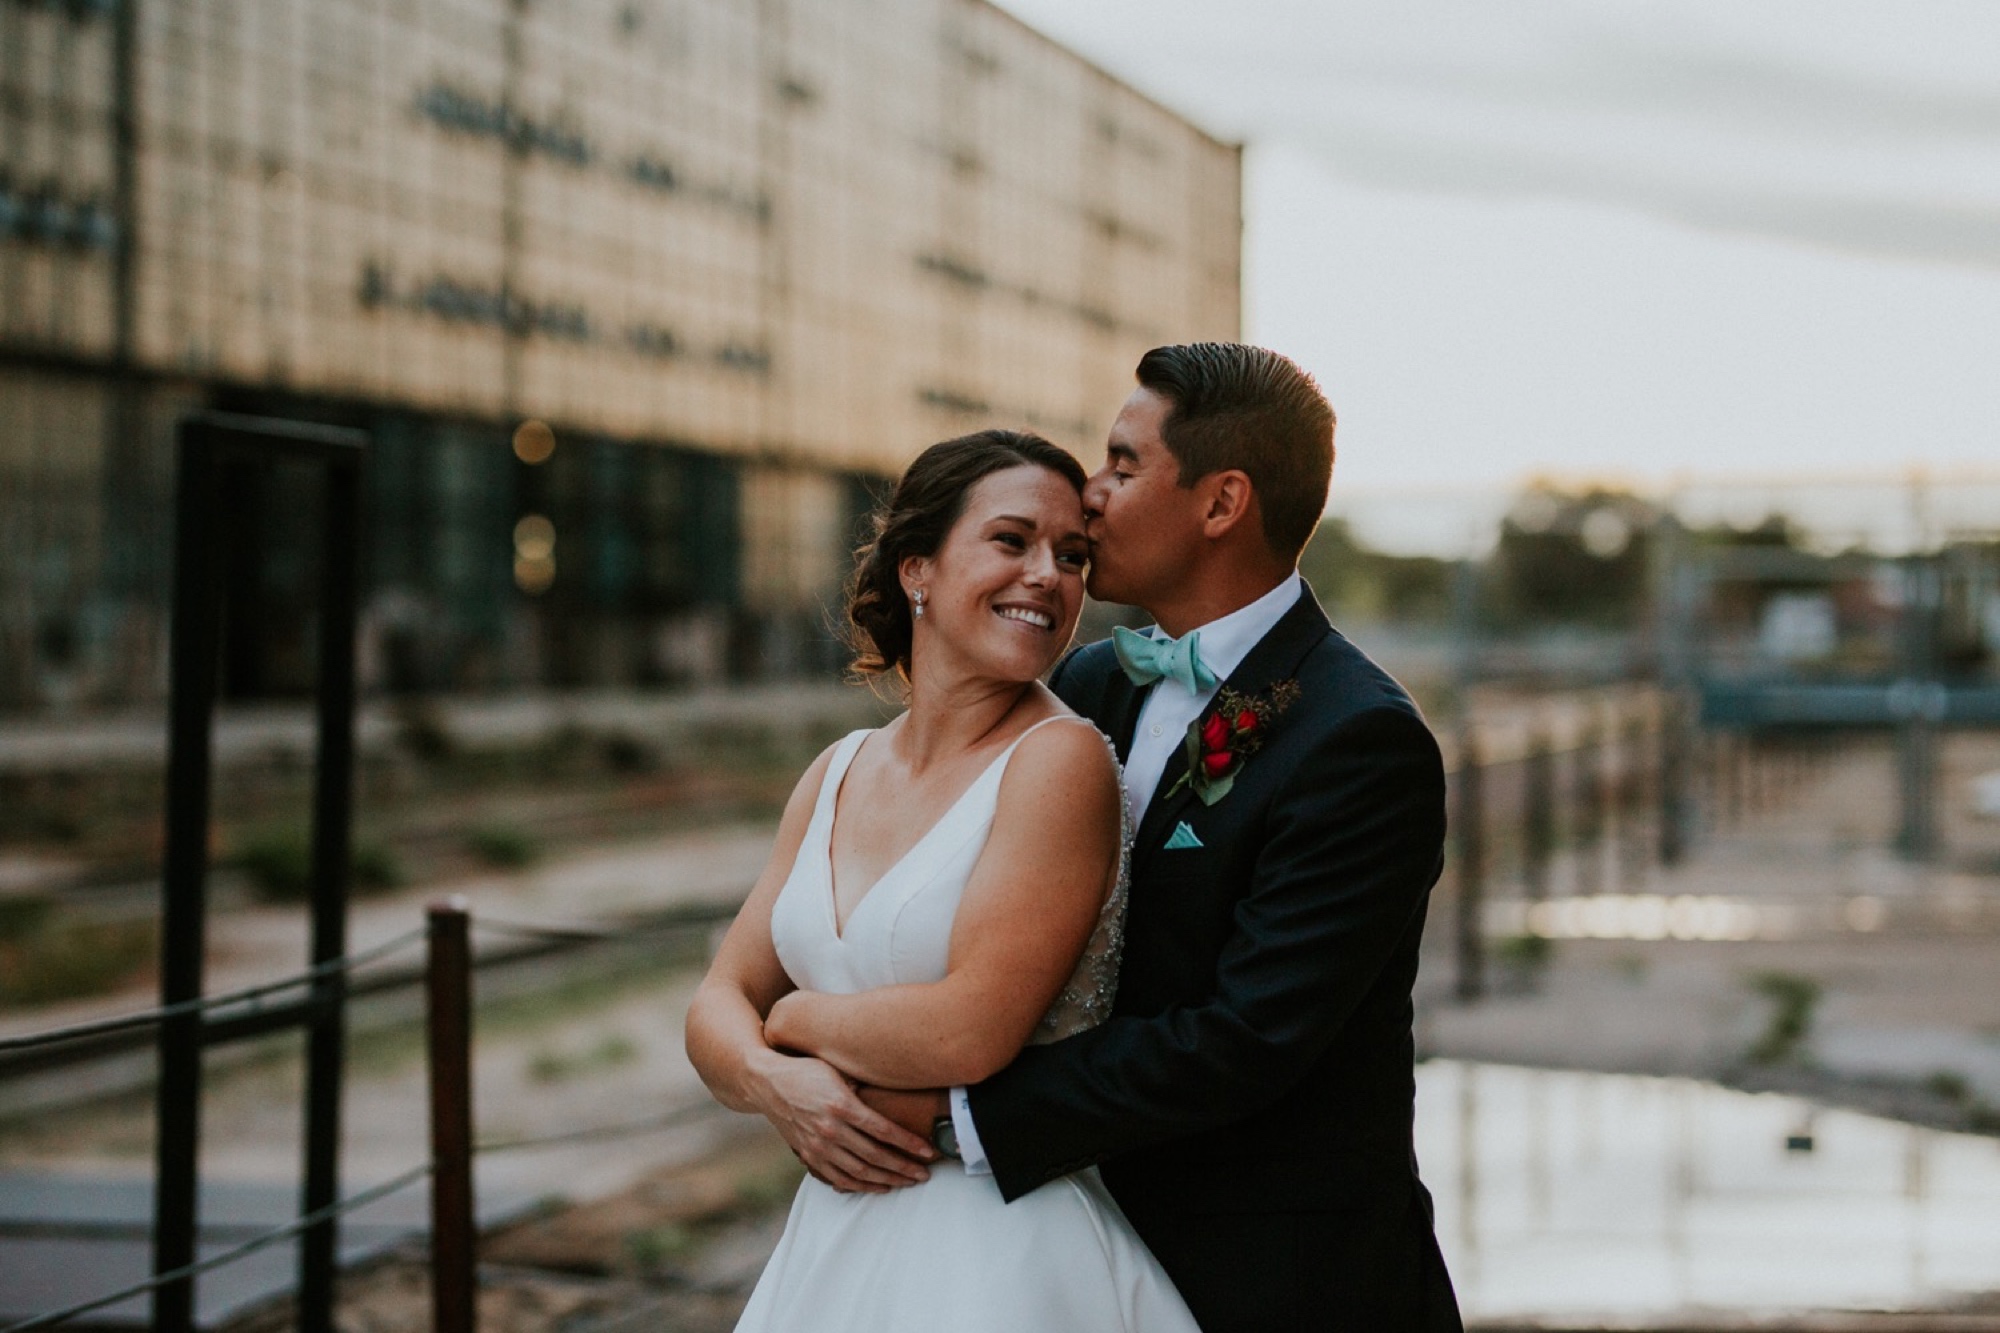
(944, 1137)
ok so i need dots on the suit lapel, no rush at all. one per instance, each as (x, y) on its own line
(1122, 702)
(1276, 656)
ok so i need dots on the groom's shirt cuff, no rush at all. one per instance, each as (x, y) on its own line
(970, 1149)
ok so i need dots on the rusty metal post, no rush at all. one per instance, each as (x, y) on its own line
(1469, 828)
(449, 1027)
(1538, 831)
(1675, 803)
(1635, 774)
(1587, 782)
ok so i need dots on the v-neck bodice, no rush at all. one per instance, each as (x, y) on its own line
(899, 932)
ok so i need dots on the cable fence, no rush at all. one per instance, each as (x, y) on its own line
(447, 974)
(1560, 817)
(675, 921)
(87, 1042)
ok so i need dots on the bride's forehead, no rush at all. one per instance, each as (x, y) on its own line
(1020, 490)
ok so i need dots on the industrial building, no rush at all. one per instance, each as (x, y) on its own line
(640, 301)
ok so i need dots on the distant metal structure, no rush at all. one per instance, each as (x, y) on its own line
(214, 449)
(1916, 695)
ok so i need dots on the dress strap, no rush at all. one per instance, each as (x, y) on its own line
(998, 769)
(1059, 717)
(836, 769)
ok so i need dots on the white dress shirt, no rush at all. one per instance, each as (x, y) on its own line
(1158, 737)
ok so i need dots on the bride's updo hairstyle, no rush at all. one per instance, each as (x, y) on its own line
(920, 514)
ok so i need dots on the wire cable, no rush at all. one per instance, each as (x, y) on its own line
(249, 994)
(579, 930)
(230, 1256)
(626, 1129)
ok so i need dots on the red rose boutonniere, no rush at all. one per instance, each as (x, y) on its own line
(1219, 741)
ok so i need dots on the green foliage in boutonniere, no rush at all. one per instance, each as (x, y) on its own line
(1219, 741)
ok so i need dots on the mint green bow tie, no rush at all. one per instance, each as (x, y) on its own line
(1147, 659)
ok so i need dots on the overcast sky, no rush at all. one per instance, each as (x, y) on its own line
(1585, 237)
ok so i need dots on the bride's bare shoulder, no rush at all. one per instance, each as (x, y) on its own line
(1064, 748)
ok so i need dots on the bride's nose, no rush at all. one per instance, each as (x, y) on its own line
(1039, 570)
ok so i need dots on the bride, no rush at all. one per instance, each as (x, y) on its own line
(944, 890)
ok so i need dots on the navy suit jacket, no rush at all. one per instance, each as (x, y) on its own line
(1259, 1058)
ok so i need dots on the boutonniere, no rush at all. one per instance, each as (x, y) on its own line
(1230, 732)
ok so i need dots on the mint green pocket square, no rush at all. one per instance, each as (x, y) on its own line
(1183, 836)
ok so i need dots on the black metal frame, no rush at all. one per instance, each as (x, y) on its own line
(210, 444)
(1918, 703)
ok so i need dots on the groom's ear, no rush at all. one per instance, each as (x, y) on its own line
(1230, 500)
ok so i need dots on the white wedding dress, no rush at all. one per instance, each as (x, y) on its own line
(946, 1256)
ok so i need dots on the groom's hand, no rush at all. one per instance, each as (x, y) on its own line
(834, 1133)
(914, 1111)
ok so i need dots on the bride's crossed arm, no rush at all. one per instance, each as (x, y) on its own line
(816, 1111)
(1027, 912)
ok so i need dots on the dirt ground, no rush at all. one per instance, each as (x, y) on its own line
(677, 1249)
(1900, 961)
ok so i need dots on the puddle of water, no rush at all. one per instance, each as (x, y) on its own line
(1568, 1194)
(1957, 903)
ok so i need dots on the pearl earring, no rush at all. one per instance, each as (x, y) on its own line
(920, 604)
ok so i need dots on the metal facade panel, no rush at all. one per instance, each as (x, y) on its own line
(825, 232)
(58, 225)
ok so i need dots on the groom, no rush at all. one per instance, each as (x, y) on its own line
(1250, 1100)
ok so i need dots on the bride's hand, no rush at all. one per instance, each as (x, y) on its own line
(781, 1030)
(840, 1140)
(915, 1110)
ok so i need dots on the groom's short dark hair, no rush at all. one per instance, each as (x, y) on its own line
(1236, 406)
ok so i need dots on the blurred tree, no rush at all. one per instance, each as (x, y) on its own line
(1572, 557)
(1358, 583)
(1774, 530)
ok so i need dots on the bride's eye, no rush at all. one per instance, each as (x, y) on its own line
(1073, 559)
(1011, 540)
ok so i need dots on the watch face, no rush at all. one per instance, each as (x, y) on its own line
(944, 1136)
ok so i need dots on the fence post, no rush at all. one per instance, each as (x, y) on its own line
(195, 652)
(1635, 775)
(1538, 834)
(1468, 821)
(1587, 798)
(332, 818)
(1675, 802)
(449, 1028)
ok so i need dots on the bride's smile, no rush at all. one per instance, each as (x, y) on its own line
(1027, 615)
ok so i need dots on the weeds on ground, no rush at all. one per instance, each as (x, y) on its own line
(611, 1050)
(504, 846)
(1980, 1115)
(658, 1252)
(653, 1249)
(68, 960)
(278, 860)
(1529, 952)
(1793, 999)
(1521, 961)
(768, 1185)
